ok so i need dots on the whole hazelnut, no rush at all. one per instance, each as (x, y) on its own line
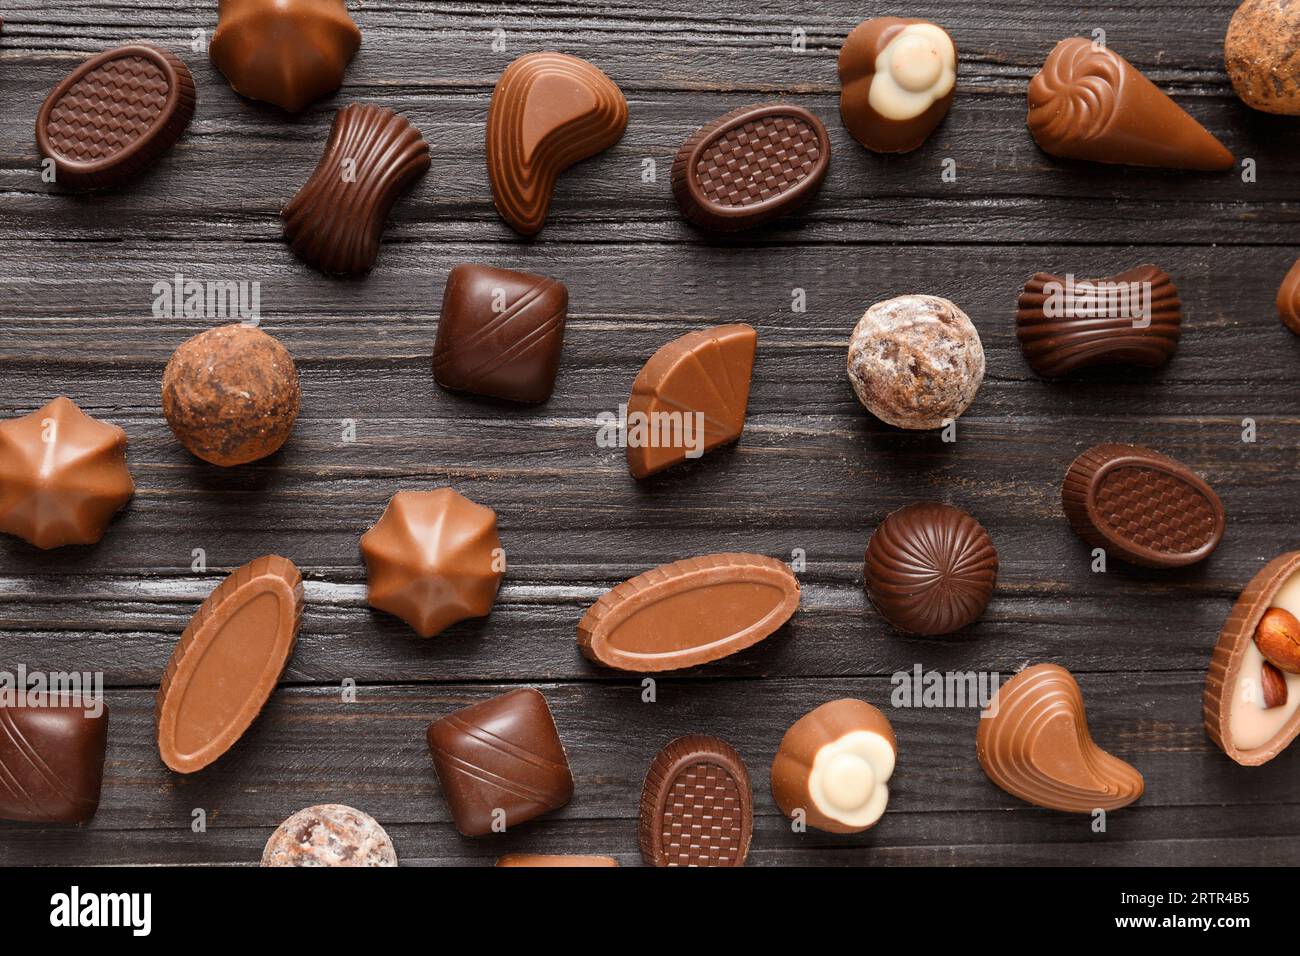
(231, 394)
(1262, 54)
(1278, 639)
(916, 361)
(1274, 686)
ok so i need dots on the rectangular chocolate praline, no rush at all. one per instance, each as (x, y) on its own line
(51, 760)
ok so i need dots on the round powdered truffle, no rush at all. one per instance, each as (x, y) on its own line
(231, 394)
(916, 361)
(930, 569)
(1262, 53)
(329, 835)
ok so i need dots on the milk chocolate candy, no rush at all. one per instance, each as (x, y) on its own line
(330, 834)
(500, 762)
(51, 758)
(1088, 102)
(897, 80)
(1033, 742)
(1250, 720)
(690, 398)
(227, 662)
(555, 860)
(433, 558)
(834, 766)
(697, 808)
(114, 116)
(1288, 299)
(689, 612)
(750, 166)
(63, 475)
(1065, 324)
(500, 333)
(1142, 506)
(548, 111)
(335, 220)
(1259, 52)
(930, 569)
(286, 52)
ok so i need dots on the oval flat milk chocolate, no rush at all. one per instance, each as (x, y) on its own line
(1250, 721)
(697, 807)
(227, 662)
(750, 166)
(1142, 506)
(689, 612)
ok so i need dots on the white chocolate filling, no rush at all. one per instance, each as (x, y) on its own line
(1249, 723)
(916, 67)
(847, 782)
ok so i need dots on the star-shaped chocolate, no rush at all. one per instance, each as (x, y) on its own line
(63, 475)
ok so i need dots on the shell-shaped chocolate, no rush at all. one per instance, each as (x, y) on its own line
(1064, 324)
(750, 166)
(697, 807)
(1142, 506)
(1288, 299)
(335, 220)
(930, 568)
(1033, 742)
(548, 111)
(1233, 705)
(114, 115)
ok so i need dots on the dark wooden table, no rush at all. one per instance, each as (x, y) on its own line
(813, 470)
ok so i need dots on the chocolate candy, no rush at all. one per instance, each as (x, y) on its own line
(1288, 299)
(897, 80)
(500, 333)
(500, 762)
(1033, 742)
(697, 808)
(1251, 706)
(750, 166)
(329, 835)
(63, 475)
(1065, 324)
(51, 759)
(834, 766)
(689, 612)
(433, 558)
(1142, 506)
(1088, 102)
(916, 361)
(690, 398)
(231, 394)
(335, 220)
(227, 662)
(555, 860)
(286, 52)
(548, 111)
(930, 569)
(114, 116)
(1260, 54)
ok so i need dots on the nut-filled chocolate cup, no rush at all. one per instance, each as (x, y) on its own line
(1238, 692)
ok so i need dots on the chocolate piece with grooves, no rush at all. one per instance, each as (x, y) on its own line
(1288, 299)
(51, 759)
(697, 807)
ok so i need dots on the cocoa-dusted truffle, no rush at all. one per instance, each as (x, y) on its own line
(329, 835)
(231, 394)
(1260, 52)
(916, 361)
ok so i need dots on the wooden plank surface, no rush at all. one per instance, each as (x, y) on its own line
(813, 471)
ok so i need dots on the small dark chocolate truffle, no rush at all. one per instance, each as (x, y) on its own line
(930, 569)
(231, 394)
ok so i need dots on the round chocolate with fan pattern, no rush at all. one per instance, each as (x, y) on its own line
(930, 569)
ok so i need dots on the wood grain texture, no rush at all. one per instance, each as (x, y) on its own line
(812, 472)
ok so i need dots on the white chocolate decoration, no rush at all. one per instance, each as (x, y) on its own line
(916, 68)
(849, 776)
(1250, 723)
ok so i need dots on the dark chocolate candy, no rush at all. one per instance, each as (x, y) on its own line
(335, 220)
(697, 808)
(500, 762)
(750, 166)
(51, 759)
(500, 333)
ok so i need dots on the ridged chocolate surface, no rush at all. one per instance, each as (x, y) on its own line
(548, 111)
(63, 475)
(1288, 299)
(930, 568)
(1064, 327)
(1142, 506)
(697, 805)
(51, 760)
(330, 834)
(750, 166)
(500, 759)
(1037, 747)
(114, 115)
(335, 220)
